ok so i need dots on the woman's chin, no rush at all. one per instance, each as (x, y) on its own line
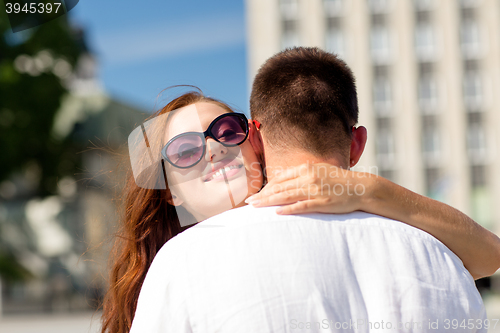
(216, 197)
(226, 195)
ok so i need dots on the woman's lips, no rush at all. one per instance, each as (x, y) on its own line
(218, 175)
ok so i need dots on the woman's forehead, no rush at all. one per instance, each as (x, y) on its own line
(192, 118)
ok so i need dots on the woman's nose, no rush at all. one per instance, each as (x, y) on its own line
(215, 151)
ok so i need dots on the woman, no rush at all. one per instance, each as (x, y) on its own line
(209, 165)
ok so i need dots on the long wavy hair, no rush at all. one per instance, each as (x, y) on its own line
(148, 223)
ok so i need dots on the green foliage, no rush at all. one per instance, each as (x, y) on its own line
(11, 270)
(29, 102)
(28, 105)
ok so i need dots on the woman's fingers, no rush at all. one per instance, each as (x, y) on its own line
(307, 187)
(313, 188)
(281, 198)
(273, 187)
(304, 174)
(289, 173)
(301, 207)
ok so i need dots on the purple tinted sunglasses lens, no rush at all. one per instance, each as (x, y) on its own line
(230, 130)
(185, 150)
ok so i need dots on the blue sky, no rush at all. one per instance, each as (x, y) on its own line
(145, 47)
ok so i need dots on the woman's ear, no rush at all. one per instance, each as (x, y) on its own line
(255, 139)
(173, 199)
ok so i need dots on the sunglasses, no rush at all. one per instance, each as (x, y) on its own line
(187, 149)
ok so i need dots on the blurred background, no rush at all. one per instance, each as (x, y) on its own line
(72, 90)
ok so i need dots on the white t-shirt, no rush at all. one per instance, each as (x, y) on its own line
(251, 270)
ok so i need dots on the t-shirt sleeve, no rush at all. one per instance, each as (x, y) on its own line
(161, 306)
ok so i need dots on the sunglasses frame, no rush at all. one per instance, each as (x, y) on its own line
(204, 135)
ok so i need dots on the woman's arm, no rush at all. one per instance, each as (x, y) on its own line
(478, 248)
(328, 189)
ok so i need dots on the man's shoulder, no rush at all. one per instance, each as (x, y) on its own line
(255, 215)
(259, 217)
(248, 226)
(254, 221)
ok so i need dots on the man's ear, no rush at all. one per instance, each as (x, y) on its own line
(255, 139)
(358, 141)
(173, 199)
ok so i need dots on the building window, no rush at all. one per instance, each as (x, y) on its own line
(382, 97)
(427, 95)
(469, 3)
(432, 177)
(481, 199)
(424, 4)
(289, 10)
(470, 42)
(334, 42)
(478, 175)
(333, 7)
(431, 146)
(380, 47)
(289, 36)
(388, 174)
(385, 149)
(425, 42)
(379, 6)
(476, 144)
(473, 91)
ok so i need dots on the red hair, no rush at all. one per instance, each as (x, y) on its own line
(149, 222)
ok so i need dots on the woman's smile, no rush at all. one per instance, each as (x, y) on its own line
(223, 170)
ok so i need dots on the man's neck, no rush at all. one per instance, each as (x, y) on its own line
(281, 162)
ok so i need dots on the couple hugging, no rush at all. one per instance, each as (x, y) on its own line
(353, 252)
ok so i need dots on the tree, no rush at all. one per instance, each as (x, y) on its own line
(35, 68)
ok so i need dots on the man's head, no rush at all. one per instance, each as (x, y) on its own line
(306, 101)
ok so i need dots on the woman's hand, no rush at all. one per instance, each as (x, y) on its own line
(320, 187)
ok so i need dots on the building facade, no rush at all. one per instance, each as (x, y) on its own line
(428, 80)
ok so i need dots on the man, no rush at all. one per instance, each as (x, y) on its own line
(251, 270)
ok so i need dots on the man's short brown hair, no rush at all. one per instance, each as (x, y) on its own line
(306, 98)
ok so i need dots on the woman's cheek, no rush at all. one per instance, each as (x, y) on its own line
(256, 177)
(255, 185)
(256, 168)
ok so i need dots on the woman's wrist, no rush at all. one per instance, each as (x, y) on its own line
(385, 198)
(373, 192)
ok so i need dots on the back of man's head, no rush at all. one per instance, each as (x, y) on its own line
(305, 99)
